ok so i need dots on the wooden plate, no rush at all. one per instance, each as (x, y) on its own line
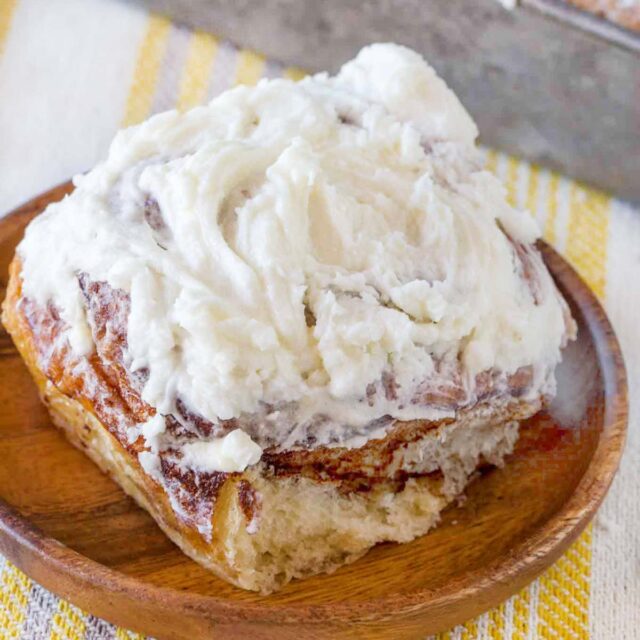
(74, 531)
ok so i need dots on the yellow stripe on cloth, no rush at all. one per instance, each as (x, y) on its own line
(564, 590)
(294, 73)
(249, 68)
(68, 623)
(531, 199)
(469, 630)
(549, 232)
(7, 8)
(147, 69)
(521, 614)
(495, 628)
(14, 601)
(491, 162)
(511, 181)
(588, 231)
(197, 73)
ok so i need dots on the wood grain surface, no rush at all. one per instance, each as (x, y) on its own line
(73, 530)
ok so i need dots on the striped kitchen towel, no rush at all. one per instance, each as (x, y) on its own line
(91, 66)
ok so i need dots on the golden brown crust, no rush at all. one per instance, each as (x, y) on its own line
(74, 413)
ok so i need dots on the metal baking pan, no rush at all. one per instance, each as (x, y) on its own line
(544, 81)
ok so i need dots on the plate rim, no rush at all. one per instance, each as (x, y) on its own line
(24, 544)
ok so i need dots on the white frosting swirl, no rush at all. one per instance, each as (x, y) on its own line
(310, 239)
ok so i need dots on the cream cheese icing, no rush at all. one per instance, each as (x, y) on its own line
(288, 247)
